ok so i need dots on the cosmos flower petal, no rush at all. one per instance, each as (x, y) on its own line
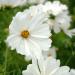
(40, 41)
(39, 32)
(31, 70)
(49, 67)
(72, 71)
(20, 22)
(39, 20)
(13, 41)
(34, 48)
(23, 48)
(63, 70)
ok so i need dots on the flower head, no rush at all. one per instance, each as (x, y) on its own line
(59, 16)
(29, 33)
(50, 66)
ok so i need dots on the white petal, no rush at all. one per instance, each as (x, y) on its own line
(20, 22)
(34, 48)
(38, 20)
(64, 70)
(72, 71)
(23, 48)
(48, 66)
(41, 31)
(31, 70)
(43, 43)
(13, 41)
(51, 64)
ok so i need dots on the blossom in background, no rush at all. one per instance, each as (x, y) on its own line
(12, 3)
(36, 1)
(29, 34)
(59, 17)
(15, 3)
(55, 7)
(50, 66)
(59, 22)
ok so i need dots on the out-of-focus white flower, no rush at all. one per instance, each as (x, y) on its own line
(29, 34)
(55, 7)
(50, 52)
(50, 66)
(12, 3)
(59, 22)
(36, 1)
(15, 3)
(72, 71)
(59, 16)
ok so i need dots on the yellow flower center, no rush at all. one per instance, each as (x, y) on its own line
(25, 34)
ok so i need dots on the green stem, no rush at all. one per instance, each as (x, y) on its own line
(6, 55)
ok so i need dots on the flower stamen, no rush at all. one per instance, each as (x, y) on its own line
(25, 34)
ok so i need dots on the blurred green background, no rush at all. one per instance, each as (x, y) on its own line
(12, 63)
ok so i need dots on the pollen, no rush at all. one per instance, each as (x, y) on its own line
(25, 34)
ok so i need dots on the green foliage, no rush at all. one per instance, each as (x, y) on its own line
(12, 63)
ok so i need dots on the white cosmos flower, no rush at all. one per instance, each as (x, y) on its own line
(29, 34)
(50, 66)
(59, 16)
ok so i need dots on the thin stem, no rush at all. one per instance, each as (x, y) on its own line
(6, 55)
